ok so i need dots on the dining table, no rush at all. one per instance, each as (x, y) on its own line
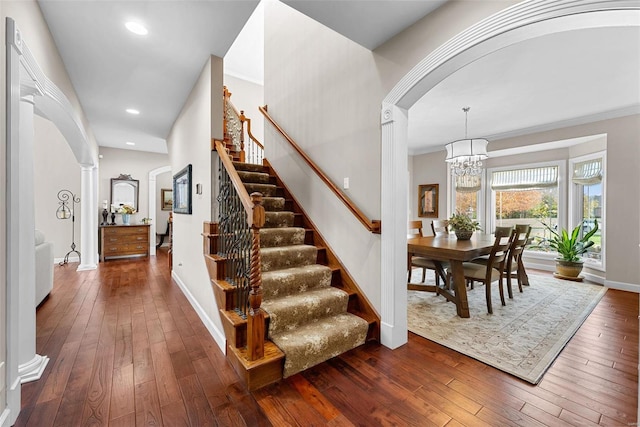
(448, 248)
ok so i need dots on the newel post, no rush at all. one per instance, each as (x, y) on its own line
(255, 317)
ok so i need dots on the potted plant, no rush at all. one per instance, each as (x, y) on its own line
(569, 248)
(463, 225)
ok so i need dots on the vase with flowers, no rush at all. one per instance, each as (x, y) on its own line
(126, 211)
(463, 225)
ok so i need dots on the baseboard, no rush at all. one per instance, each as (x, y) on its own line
(72, 258)
(208, 323)
(621, 286)
(4, 418)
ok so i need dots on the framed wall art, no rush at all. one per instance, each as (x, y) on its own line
(182, 191)
(166, 199)
(428, 201)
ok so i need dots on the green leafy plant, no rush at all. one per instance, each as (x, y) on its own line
(570, 246)
(463, 222)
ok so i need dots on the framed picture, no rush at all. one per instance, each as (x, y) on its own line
(428, 201)
(182, 191)
(167, 199)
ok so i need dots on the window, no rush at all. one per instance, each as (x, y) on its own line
(466, 195)
(526, 196)
(587, 200)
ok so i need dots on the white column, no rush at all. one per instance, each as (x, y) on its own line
(88, 221)
(30, 365)
(393, 331)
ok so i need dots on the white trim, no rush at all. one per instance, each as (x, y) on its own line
(621, 286)
(523, 21)
(153, 188)
(217, 335)
(33, 369)
(4, 417)
(72, 258)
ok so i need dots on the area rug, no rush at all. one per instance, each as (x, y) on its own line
(522, 338)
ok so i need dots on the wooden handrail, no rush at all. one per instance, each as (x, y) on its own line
(373, 226)
(253, 138)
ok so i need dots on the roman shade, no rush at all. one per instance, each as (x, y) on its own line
(588, 172)
(468, 183)
(525, 179)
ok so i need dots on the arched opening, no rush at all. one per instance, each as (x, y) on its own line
(521, 22)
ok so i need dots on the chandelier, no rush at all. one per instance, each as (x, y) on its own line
(466, 155)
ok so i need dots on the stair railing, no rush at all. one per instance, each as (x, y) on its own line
(373, 226)
(234, 130)
(240, 218)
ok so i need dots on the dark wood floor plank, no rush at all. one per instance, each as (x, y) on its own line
(147, 405)
(122, 392)
(168, 388)
(197, 406)
(144, 357)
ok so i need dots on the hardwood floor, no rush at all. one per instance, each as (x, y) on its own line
(127, 349)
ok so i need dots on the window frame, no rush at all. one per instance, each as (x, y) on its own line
(451, 203)
(575, 205)
(562, 193)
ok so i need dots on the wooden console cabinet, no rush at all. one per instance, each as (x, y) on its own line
(123, 240)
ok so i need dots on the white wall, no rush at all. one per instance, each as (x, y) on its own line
(248, 96)
(55, 169)
(325, 91)
(189, 142)
(114, 162)
(428, 169)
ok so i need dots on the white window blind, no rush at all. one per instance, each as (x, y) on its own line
(468, 184)
(588, 172)
(525, 179)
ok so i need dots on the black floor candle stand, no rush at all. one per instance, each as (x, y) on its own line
(63, 212)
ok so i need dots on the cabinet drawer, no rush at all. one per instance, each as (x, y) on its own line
(125, 249)
(126, 230)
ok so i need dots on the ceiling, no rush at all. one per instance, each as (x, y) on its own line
(552, 81)
(548, 82)
(113, 69)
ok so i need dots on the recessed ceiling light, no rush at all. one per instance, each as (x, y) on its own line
(130, 143)
(132, 111)
(136, 28)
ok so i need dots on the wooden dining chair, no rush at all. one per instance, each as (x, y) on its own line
(440, 227)
(415, 230)
(514, 261)
(493, 270)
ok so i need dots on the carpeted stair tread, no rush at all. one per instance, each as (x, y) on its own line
(279, 219)
(254, 177)
(282, 283)
(283, 236)
(282, 257)
(316, 342)
(267, 190)
(287, 314)
(273, 204)
(250, 167)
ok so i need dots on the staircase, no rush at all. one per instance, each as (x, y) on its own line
(314, 309)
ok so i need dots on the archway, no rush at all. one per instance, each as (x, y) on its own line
(152, 204)
(526, 20)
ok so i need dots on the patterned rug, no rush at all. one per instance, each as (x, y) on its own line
(523, 338)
